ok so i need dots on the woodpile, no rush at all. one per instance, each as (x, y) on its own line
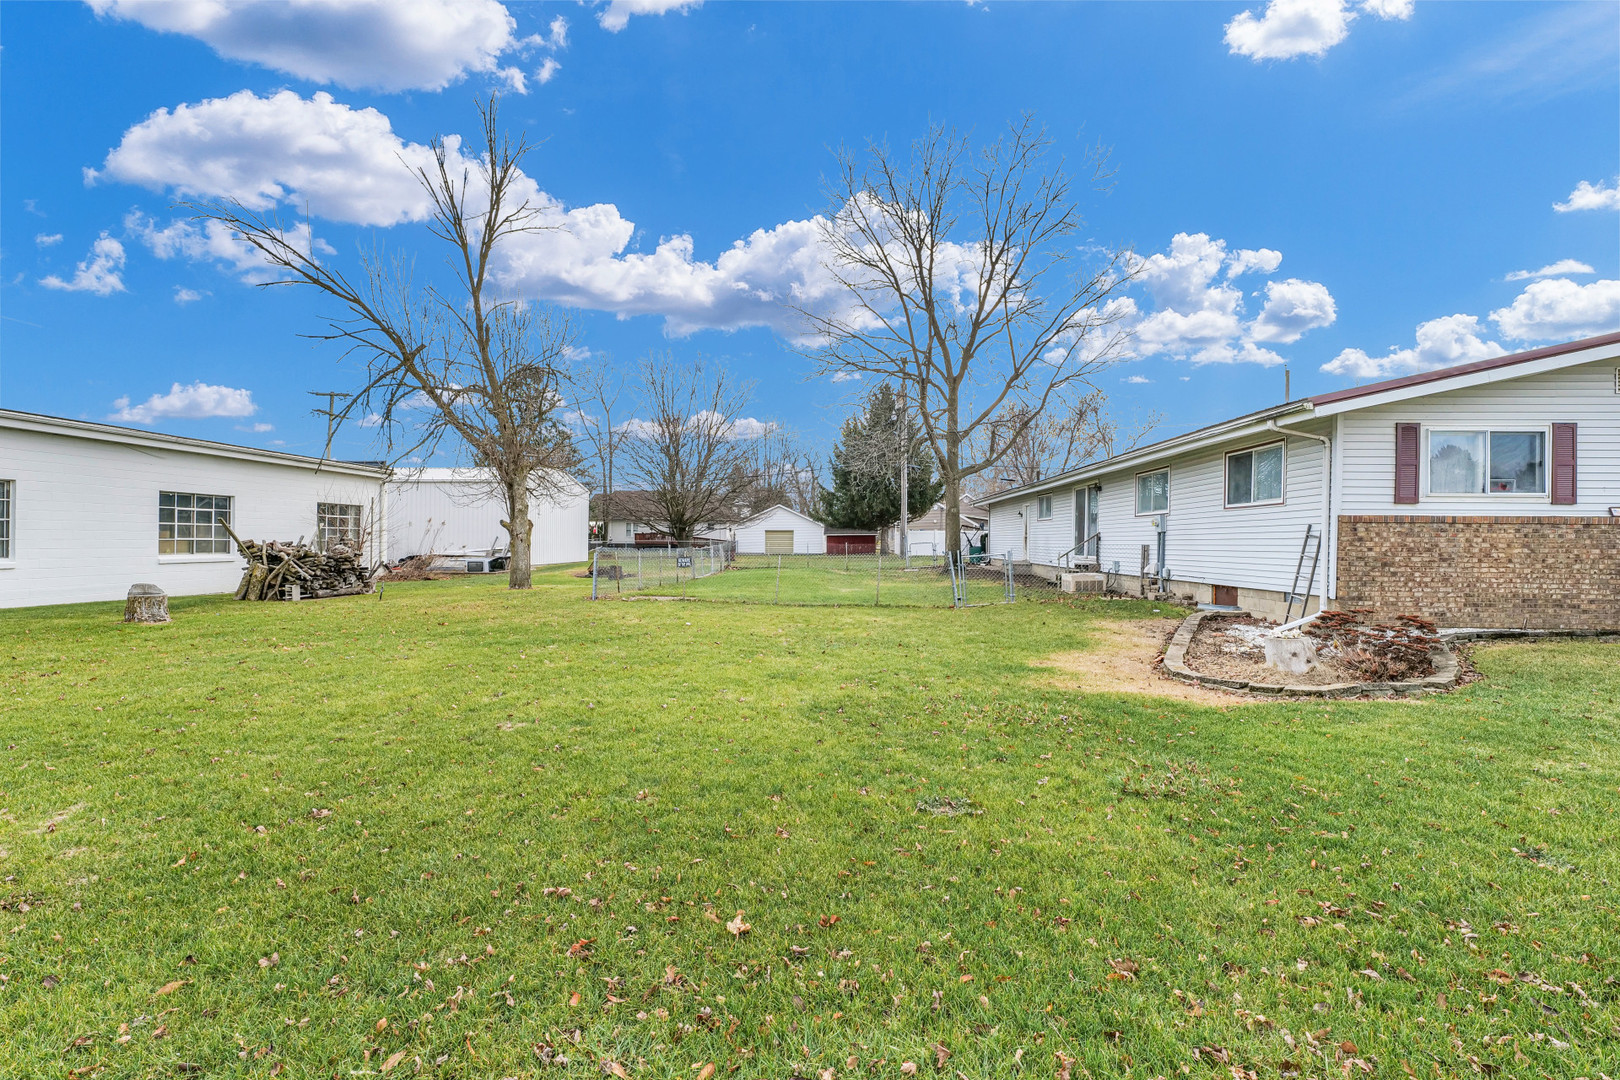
(277, 570)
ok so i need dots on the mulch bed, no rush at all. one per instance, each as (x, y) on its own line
(1216, 651)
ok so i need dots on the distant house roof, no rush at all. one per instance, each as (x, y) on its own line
(935, 518)
(789, 510)
(88, 429)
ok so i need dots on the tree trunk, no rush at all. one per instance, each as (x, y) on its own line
(953, 495)
(518, 526)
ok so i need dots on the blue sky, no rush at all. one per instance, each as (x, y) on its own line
(1351, 188)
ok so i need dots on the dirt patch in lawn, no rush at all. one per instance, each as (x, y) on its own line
(1123, 658)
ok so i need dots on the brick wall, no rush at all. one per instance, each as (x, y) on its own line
(1534, 572)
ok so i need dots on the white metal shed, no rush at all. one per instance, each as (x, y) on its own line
(459, 512)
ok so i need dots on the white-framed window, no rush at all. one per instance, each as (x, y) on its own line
(8, 519)
(1487, 461)
(337, 523)
(1043, 507)
(1152, 492)
(191, 524)
(1254, 477)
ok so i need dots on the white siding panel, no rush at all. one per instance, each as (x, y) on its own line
(1583, 395)
(1254, 547)
(87, 509)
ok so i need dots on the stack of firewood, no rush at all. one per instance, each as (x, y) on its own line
(277, 570)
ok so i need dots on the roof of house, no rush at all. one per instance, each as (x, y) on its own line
(935, 517)
(1439, 374)
(87, 429)
(1322, 405)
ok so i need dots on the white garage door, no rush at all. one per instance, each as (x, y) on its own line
(778, 541)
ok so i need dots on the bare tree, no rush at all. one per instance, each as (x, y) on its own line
(690, 453)
(453, 363)
(961, 285)
(1061, 438)
(598, 389)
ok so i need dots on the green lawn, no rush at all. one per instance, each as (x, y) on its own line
(328, 836)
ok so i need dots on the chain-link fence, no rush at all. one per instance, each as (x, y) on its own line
(717, 572)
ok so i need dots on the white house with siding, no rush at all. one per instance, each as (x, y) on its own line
(87, 509)
(781, 531)
(458, 512)
(1489, 490)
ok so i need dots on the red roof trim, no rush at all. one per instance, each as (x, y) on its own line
(1467, 369)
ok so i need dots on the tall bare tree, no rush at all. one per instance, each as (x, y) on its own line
(598, 390)
(692, 453)
(1063, 437)
(960, 279)
(455, 362)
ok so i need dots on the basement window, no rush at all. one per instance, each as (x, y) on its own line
(191, 524)
(337, 523)
(1254, 477)
(7, 520)
(1488, 462)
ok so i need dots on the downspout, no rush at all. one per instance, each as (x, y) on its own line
(1327, 512)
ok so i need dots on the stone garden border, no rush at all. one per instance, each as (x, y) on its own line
(1446, 673)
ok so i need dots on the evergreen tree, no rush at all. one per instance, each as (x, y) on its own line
(865, 489)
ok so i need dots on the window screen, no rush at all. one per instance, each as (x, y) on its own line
(1153, 492)
(1487, 462)
(1255, 476)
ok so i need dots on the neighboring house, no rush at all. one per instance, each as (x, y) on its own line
(633, 518)
(926, 534)
(781, 531)
(1482, 495)
(87, 510)
(458, 512)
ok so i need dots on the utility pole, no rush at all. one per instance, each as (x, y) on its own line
(905, 482)
(330, 412)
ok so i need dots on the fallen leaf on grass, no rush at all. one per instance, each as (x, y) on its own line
(706, 1072)
(613, 1068)
(169, 988)
(908, 1068)
(737, 926)
(1124, 968)
(270, 961)
(573, 999)
(393, 1059)
(941, 1055)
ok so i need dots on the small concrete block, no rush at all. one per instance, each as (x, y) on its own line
(1295, 655)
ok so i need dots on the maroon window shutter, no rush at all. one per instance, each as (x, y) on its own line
(1407, 448)
(1563, 465)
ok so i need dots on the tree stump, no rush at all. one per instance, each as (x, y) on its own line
(146, 604)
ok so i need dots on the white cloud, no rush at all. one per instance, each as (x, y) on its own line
(1293, 307)
(1389, 9)
(1138, 380)
(212, 241)
(547, 71)
(845, 376)
(1199, 314)
(47, 239)
(1590, 196)
(101, 272)
(1289, 28)
(1443, 342)
(1562, 266)
(616, 16)
(257, 429)
(388, 45)
(1243, 260)
(1559, 310)
(346, 164)
(199, 400)
(371, 420)
(183, 295)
